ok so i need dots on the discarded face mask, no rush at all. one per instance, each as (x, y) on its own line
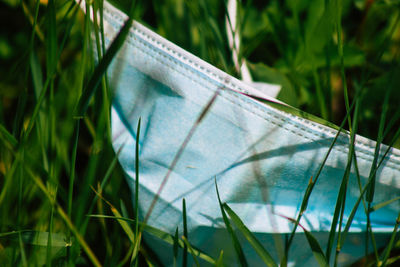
(200, 127)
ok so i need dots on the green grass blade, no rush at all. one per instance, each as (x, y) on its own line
(36, 71)
(124, 225)
(22, 250)
(175, 246)
(8, 184)
(351, 156)
(385, 107)
(65, 217)
(316, 249)
(101, 68)
(265, 256)
(371, 181)
(185, 233)
(189, 247)
(37, 108)
(371, 188)
(104, 181)
(79, 238)
(7, 137)
(341, 199)
(164, 236)
(37, 238)
(312, 183)
(51, 38)
(138, 239)
(20, 181)
(72, 171)
(71, 185)
(386, 252)
(391, 261)
(314, 245)
(363, 191)
(383, 204)
(220, 260)
(339, 33)
(49, 240)
(236, 244)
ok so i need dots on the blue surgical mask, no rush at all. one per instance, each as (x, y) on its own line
(261, 158)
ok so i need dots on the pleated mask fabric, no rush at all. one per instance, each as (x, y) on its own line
(261, 158)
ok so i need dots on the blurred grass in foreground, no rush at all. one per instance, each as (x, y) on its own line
(56, 169)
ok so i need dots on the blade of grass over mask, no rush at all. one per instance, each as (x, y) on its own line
(361, 197)
(341, 200)
(386, 253)
(312, 241)
(189, 247)
(185, 234)
(178, 154)
(313, 182)
(371, 181)
(372, 176)
(359, 93)
(101, 68)
(164, 236)
(175, 246)
(125, 226)
(138, 233)
(371, 189)
(235, 240)
(264, 254)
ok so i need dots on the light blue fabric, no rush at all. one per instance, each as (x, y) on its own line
(261, 158)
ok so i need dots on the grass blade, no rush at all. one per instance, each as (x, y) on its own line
(101, 68)
(51, 38)
(236, 243)
(125, 226)
(220, 260)
(383, 204)
(185, 234)
(187, 244)
(316, 249)
(312, 241)
(364, 189)
(175, 246)
(164, 236)
(386, 252)
(7, 137)
(65, 218)
(49, 240)
(265, 256)
(339, 33)
(138, 236)
(341, 199)
(312, 183)
(37, 238)
(104, 181)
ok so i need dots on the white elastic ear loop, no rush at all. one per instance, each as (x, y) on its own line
(241, 67)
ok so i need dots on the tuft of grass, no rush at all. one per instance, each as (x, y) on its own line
(238, 248)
